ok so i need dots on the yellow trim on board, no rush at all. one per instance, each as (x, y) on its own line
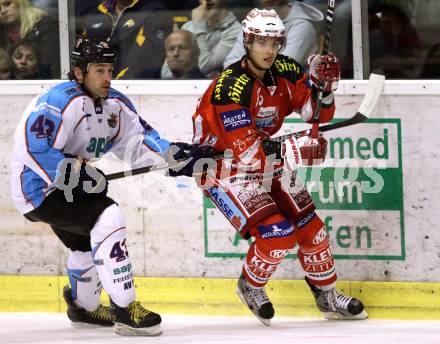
(209, 296)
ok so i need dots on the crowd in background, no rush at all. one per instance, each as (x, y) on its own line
(196, 39)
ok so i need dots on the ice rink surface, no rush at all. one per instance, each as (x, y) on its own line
(55, 328)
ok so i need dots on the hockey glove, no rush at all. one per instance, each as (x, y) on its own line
(304, 151)
(271, 148)
(197, 159)
(325, 69)
(84, 179)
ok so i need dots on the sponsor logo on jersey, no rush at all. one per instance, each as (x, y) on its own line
(236, 119)
(267, 117)
(284, 66)
(80, 278)
(113, 120)
(71, 91)
(306, 219)
(263, 266)
(320, 236)
(318, 258)
(123, 278)
(220, 84)
(229, 209)
(279, 253)
(277, 230)
(237, 88)
(254, 199)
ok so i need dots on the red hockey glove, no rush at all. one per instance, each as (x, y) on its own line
(304, 151)
(326, 69)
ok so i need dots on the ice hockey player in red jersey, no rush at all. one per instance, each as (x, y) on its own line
(238, 113)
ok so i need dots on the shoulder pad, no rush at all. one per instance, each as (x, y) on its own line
(288, 68)
(234, 85)
(118, 95)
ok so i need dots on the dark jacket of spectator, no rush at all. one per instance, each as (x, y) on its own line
(46, 36)
(96, 21)
(139, 40)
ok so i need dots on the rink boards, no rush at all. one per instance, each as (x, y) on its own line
(215, 297)
(386, 236)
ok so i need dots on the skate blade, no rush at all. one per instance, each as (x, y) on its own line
(125, 330)
(337, 316)
(84, 325)
(265, 322)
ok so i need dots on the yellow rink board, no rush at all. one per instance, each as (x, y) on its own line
(208, 296)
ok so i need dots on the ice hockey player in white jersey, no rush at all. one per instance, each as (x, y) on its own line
(53, 182)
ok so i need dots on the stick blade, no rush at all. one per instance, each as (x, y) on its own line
(375, 86)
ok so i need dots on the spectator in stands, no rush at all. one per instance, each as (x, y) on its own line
(139, 40)
(98, 20)
(216, 30)
(182, 55)
(5, 65)
(302, 23)
(394, 43)
(21, 21)
(431, 67)
(25, 60)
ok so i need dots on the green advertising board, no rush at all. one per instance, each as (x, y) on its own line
(358, 193)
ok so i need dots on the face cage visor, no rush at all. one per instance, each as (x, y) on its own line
(248, 39)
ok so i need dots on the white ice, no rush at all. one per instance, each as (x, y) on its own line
(55, 328)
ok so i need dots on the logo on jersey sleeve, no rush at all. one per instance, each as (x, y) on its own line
(236, 119)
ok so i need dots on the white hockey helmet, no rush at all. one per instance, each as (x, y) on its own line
(263, 23)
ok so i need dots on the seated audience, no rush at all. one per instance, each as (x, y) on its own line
(25, 60)
(5, 65)
(394, 43)
(21, 21)
(182, 54)
(216, 30)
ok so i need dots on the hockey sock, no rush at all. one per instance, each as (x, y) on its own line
(84, 280)
(110, 255)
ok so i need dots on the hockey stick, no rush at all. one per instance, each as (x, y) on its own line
(327, 34)
(152, 168)
(375, 86)
(374, 90)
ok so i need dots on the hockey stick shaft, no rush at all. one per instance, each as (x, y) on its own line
(325, 48)
(375, 86)
(152, 168)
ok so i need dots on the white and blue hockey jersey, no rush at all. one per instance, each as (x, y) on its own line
(66, 120)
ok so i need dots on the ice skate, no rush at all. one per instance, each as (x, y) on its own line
(256, 299)
(135, 320)
(78, 315)
(336, 306)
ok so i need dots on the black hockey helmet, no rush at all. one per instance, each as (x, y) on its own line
(91, 51)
